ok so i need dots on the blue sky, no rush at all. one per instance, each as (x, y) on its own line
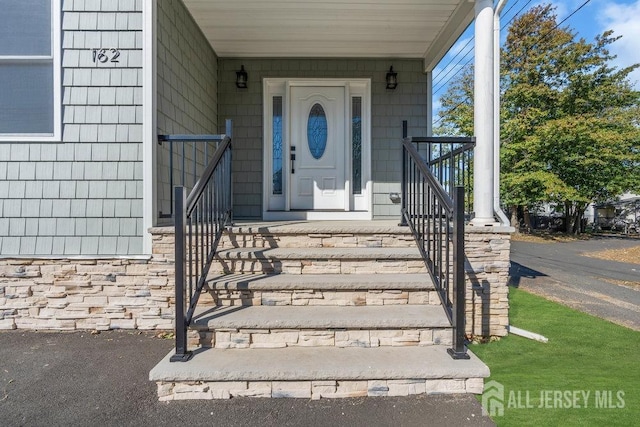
(597, 16)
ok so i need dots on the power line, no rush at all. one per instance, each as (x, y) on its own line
(440, 84)
(455, 107)
(467, 99)
(511, 7)
(545, 35)
(454, 56)
(453, 68)
(515, 15)
(446, 83)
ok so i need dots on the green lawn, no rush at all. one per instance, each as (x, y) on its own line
(587, 359)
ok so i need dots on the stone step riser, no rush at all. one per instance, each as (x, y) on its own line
(189, 390)
(328, 240)
(318, 297)
(317, 266)
(281, 338)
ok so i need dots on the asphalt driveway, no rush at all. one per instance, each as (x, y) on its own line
(561, 272)
(79, 379)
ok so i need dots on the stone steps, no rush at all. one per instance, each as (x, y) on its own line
(318, 372)
(330, 309)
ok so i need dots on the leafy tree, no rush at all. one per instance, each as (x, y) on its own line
(458, 99)
(569, 120)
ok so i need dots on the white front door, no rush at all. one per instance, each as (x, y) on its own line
(318, 148)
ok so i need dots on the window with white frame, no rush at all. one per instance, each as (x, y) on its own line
(29, 69)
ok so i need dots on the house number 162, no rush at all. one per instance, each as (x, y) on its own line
(102, 56)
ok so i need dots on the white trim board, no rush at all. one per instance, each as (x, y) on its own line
(149, 127)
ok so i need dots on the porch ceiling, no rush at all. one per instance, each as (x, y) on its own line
(332, 28)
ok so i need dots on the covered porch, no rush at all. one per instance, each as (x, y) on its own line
(292, 51)
(330, 109)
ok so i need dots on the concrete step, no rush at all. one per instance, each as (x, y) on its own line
(318, 234)
(319, 261)
(346, 282)
(318, 227)
(320, 253)
(321, 317)
(293, 326)
(318, 289)
(317, 372)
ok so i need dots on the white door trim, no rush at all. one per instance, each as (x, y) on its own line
(277, 206)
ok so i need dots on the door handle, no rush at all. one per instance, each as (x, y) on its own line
(292, 157)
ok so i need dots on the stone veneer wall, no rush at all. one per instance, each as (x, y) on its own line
(316, 390)
(130, 293)
(487, 273)
(89, 293)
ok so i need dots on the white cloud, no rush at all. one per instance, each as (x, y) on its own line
(623, 20)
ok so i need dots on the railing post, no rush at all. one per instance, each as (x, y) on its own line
(403, 179)
(181, 355)
(229, 132)
(171, 213)
(458, 350)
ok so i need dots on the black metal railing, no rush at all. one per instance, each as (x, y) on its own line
(451, 162)
(200, 219)
(436, 220)
(182, 163)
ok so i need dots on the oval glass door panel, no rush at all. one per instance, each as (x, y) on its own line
(317, 131)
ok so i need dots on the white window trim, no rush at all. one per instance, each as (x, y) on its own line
(56, 55)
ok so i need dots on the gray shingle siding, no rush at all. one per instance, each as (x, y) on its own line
(50, 189)
(187, 83)
(83, 195)
(389, 109)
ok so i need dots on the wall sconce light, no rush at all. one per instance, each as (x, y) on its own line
(392, 79)
(241, 78)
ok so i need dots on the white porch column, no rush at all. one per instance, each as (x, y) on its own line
(483, 115)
